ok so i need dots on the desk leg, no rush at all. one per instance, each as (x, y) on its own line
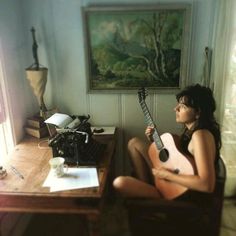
(93, 224)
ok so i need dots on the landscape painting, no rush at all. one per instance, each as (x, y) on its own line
(132, 48)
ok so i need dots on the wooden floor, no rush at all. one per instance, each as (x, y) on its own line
(113, 223)
(55, 224)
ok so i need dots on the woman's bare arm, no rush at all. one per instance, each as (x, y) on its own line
(203, 147)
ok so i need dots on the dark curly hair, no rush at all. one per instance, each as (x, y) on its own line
(201, 99)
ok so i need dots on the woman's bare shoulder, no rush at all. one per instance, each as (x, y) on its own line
(203, 134)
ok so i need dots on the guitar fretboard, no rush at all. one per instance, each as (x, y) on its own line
(149, 121)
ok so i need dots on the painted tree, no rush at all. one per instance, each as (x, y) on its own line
(149, 38)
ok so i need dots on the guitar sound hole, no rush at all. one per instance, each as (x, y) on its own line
(164, 155)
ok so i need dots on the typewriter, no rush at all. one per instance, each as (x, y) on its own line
(77, 145)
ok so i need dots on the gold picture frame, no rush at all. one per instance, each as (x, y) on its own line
(130, 47)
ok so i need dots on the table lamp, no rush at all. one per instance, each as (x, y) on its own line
(37, 77)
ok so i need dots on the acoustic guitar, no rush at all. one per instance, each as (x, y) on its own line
(165, 152)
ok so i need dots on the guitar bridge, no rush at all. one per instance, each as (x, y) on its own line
(176, 171)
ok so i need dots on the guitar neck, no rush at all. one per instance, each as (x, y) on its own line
(149, 121)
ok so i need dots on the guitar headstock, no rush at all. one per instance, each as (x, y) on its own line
(142, 94)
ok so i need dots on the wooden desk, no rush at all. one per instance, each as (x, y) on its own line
(28, 195)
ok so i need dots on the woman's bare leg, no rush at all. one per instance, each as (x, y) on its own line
(138, 151)
(132, 187)
(142, 185)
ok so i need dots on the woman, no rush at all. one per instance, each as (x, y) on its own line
(201, 140)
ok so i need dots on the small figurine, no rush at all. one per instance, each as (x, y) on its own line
(34, 49)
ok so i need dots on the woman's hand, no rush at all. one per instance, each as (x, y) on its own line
(161, 173)
(149, 132)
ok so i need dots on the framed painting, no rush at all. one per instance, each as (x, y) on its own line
(132, 47)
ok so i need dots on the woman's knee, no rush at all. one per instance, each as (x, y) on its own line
(119, 182)
(133, 143)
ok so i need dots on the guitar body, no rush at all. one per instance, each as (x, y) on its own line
(173, 160)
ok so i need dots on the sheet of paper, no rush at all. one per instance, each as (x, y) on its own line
(74, 178)
(59, 119)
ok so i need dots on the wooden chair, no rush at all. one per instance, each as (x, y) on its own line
(163, 217)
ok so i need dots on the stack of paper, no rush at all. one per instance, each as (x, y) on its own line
(60, 120)
(74, 178)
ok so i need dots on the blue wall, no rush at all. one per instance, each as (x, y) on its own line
(59, 32)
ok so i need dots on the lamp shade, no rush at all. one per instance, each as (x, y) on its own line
(38, 81)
